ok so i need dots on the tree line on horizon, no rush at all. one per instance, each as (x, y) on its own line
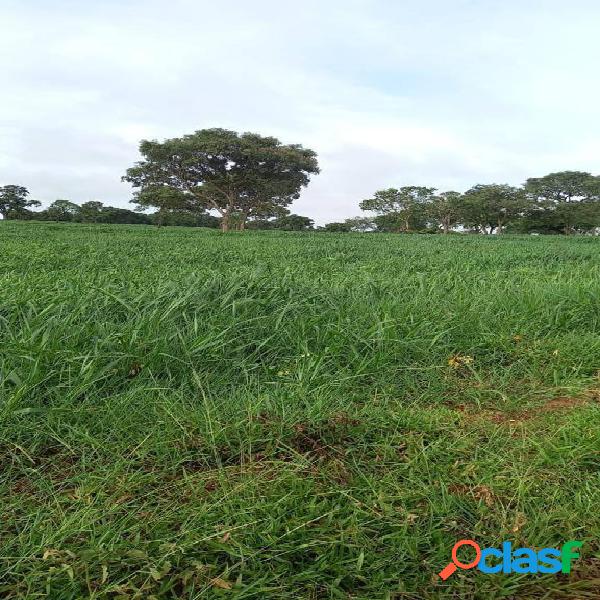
(564, 202)
(222, 179)
(15, 205)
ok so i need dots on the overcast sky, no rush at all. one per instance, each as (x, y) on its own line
(389, 93)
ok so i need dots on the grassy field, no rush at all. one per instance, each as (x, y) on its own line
(187, 414)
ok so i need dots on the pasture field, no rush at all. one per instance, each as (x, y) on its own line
(190, 414)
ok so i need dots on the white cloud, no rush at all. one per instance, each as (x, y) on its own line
(429, 92)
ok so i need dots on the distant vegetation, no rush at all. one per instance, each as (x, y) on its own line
(219, 178)
(96, 212)
(565, 202)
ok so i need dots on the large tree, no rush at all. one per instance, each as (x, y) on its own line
(63, 210)
(568, 200)
(564, 187)
(91, 212)
(564, 218)
(402, 209)
(446, 210)
(14, 201)
(492, 207)
(239, 175)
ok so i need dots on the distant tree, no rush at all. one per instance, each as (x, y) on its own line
(280, 218)
(112, 214)
(182, 218)
(403, 208)
(396, 222)
(293, 223)
(565, 218)
(579, 217)
(62, 210)
(582, 217)
(91, 212)
(14, 201)
(564, 187)
(446, 210)
(173, 218)
(361, 224)
(261, 224)
(489, 208)
(336, 227)
(22, 214)
(267, 218)
(566, 200)
(167, 199)
(207, 220)
(234, 174)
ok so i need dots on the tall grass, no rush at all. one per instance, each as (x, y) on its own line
(187, 414)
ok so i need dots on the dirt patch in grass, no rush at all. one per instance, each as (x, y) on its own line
(45, 467)
(22, 487)
(559, 405)
(315, 442)
(586, 569)
(481, 493)
(556, 405)
(329, 438)
(316, 449)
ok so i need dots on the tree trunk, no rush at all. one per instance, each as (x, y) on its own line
(225, 222)
(243, 221)
(446, 227)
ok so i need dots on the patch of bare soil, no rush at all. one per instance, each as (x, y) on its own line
(479, 492)
(556, 405)
(562, 404)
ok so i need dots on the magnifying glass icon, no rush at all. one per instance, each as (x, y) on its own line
(452, 566)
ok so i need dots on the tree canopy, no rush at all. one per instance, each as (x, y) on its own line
(402, 209)
(14, 201)
(445, 210)
(563, 202)
(237, 175)
(62, 210)
(490, 208)
(91, 212)
(564, 187)
(566, 201)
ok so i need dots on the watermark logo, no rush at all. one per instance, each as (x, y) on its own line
(519, 560)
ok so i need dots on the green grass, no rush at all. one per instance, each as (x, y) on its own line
(183, 412)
